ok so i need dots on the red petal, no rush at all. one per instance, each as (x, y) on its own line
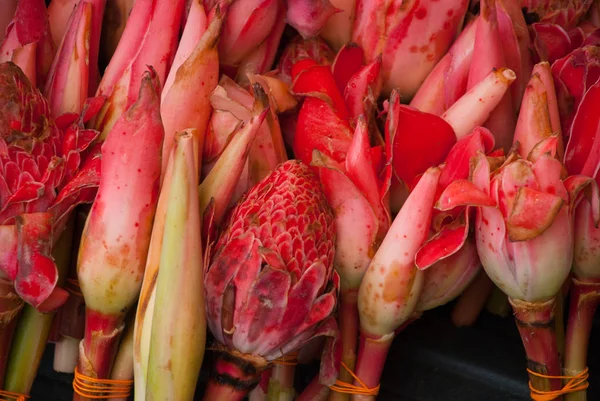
(363, 89)
(422, 140)
(318, 79)
(360, 166)
(255, 323)
(348, 62)
(37, 274)
(551, 41)
(583, 149)
(532, 213)
(457, 163)
(31, 20)
(444, 244)
(319, 128)
(463, 193)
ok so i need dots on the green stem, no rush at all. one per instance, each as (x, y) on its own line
(123, 366)
(281, 383)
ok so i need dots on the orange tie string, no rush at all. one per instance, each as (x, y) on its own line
(576, 383)
(10, 396)
(348, 388)
(100, 389)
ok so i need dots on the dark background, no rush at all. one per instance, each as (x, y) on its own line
(430, 361)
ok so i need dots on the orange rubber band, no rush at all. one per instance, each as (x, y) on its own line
(10, 396)
(576, 383)
(290, 359)
(100, 389)
(72, 286)
(348, 388)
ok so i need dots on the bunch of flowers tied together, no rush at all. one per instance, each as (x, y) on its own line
(302, 179)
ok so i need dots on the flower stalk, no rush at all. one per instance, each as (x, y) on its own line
(113, 251)
(178, 325)
(123, 366)
(390, 289)
(585, 298)
(535, 321)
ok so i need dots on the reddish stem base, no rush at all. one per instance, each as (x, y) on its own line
(99, 346)
(372, 354)
(315, 391)
(234, 376)
(349, 323)
(535, 321)
(585, 298)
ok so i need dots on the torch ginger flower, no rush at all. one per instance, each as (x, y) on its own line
(391, 286)
(524, 237)
(582, 157)
(573, 76)
(40, 165)
(45, 171)
(298, 49)
(334, 99)
(113, 251)
(270, 286)
(412, 37)
(449, 257)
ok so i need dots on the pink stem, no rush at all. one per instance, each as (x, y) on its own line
(281, 382)
(315, 391)
(349, 323)
(585, 297)
(535, 321)
(100, 345)
(372, 354)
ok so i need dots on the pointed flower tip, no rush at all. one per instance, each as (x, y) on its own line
(261, 99)
(149, 89)
(507, 75)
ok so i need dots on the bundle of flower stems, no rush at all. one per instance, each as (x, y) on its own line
(293, 180)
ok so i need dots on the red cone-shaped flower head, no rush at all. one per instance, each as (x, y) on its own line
(270, 286)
